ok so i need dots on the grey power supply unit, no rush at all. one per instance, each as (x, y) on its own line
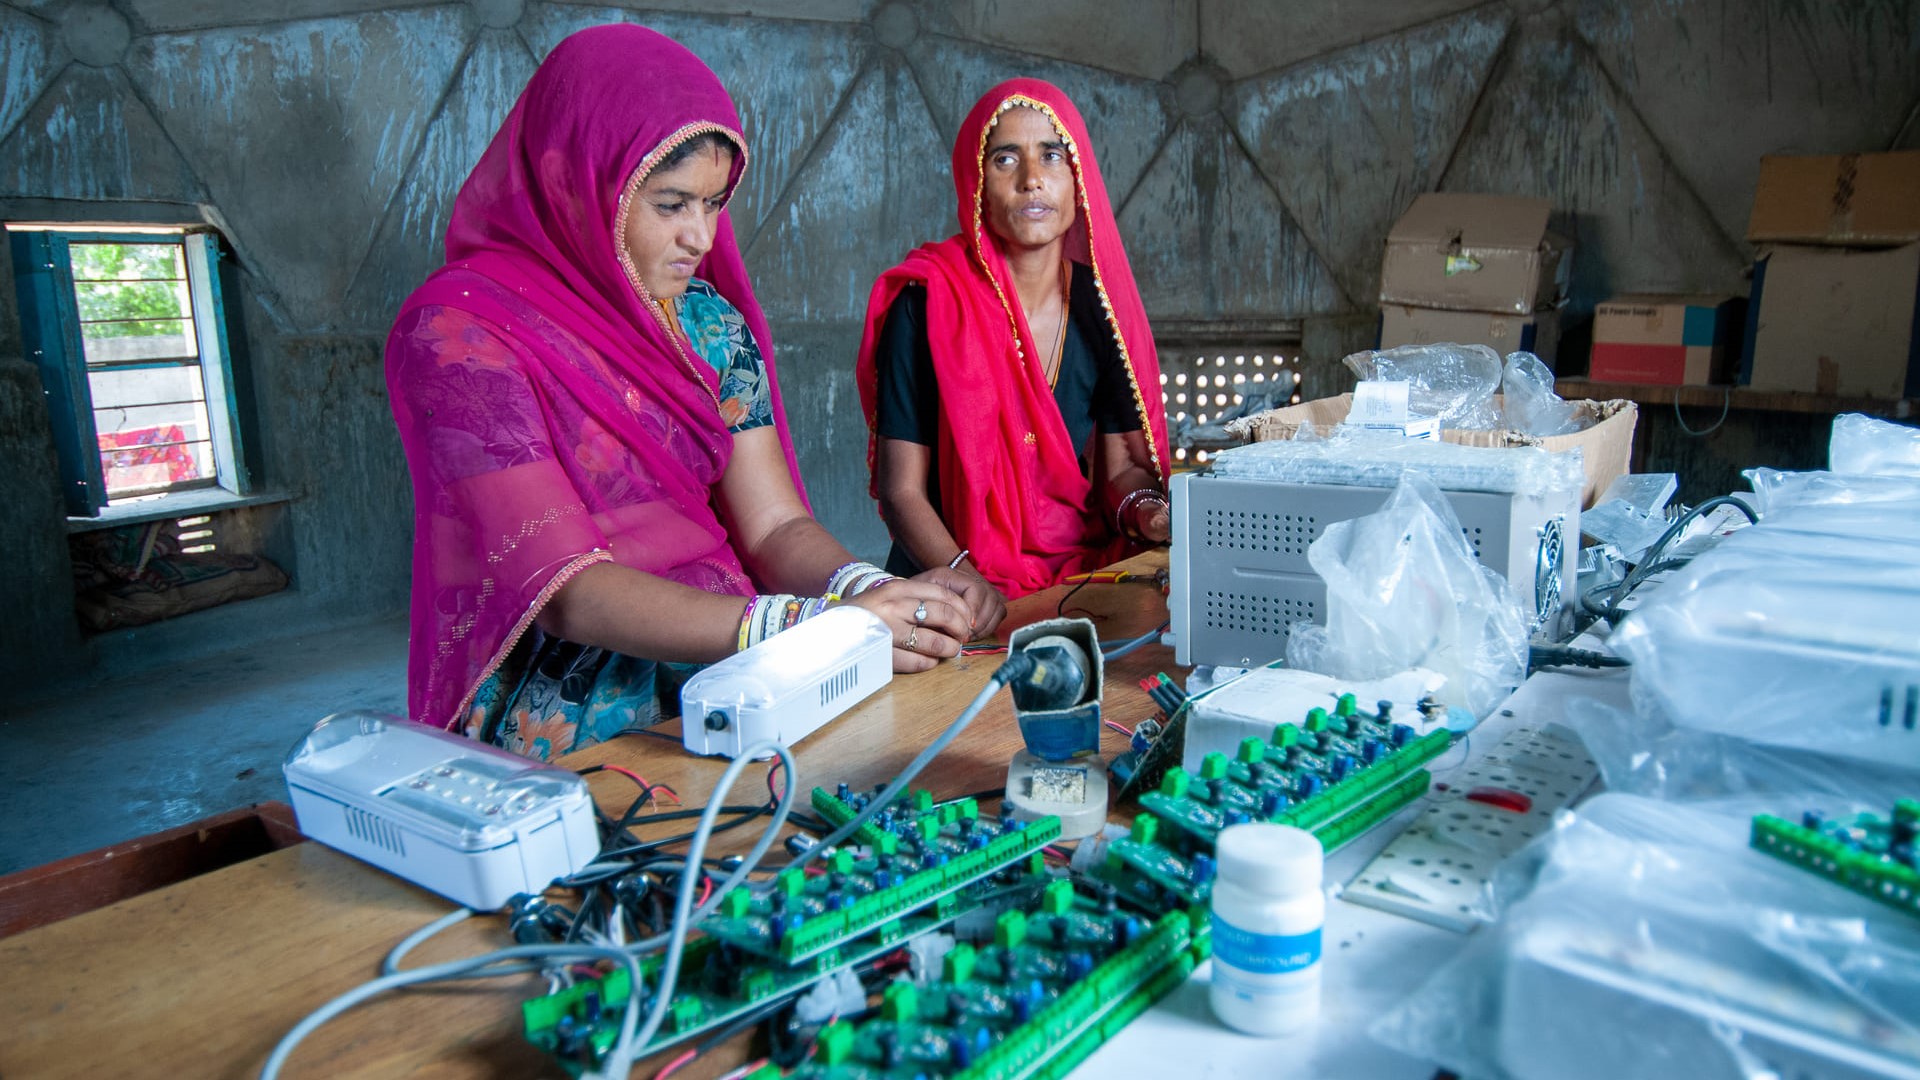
(1239, 572)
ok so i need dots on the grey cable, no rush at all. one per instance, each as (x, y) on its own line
(1131, 644)
(1651, 561)
(520, 958)
(472, 967)
(1726, 403)
(1000, 678)
(619, 1060)
(391, 965)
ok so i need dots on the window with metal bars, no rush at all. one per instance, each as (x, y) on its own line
(129, 329)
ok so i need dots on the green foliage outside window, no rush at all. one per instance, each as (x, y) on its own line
(131, 290)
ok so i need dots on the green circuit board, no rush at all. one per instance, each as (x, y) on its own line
(1869, 854)
(1056, 982)
(922, 866)
(920, 856)
(1336, 774)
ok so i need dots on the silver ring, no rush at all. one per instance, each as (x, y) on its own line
(913, 635)
(920, 613)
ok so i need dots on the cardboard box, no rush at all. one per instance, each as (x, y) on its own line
(1835, 322)
(1475, 253)
(1606, 448)
(1849, 199)
(1667, 340)
(1537, 333)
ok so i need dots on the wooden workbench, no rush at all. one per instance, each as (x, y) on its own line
(201, 979)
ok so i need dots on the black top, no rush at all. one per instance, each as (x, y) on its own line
(1093, 390)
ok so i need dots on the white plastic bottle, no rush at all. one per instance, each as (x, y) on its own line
(1267, 914)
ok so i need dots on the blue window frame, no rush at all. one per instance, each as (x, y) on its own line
(130, 331)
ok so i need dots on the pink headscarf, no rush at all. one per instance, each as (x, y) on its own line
(550, 417)
(1010, 478)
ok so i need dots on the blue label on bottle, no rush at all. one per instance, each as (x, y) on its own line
(1264, 954)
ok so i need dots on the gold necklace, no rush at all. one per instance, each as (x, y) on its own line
(1060, 334)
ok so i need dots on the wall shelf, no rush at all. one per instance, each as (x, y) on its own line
(1735, 397)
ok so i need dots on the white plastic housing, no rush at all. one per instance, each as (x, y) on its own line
(787, 687)
(468, 821)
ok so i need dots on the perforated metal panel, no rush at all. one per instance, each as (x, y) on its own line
(1240, 575)
(1202, 382)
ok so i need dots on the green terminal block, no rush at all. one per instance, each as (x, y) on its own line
(1871, 855)
(1252, 751)
(1174, 784)
(957, 967)
(836, 1043)
(1010, 929)
(1146, 829)
(899, 1002)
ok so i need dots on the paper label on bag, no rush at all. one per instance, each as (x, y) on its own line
(1379, 402)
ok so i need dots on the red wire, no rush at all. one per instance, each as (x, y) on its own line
(642, 781)
(670, 1067)
(706, 889)
(1118, 728)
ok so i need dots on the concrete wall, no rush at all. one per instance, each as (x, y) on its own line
(1258, 153)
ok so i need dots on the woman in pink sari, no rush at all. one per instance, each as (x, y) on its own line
(1008, 372)
(605, 489)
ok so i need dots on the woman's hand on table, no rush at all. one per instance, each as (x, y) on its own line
(988, 606)
(929, 622)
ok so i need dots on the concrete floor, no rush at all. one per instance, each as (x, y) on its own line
(132, 757)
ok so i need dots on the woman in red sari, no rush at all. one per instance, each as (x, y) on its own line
(605, 491)
(1008, 373)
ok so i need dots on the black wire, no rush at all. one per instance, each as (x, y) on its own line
(809, 822)
(978, 796)
(741, 1024)
(644, 731)
(1060, 610)
(746, 814)
(1651, 562)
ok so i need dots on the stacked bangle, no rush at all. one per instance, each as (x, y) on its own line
(766, 616)
(1126, 515)
(854, 579)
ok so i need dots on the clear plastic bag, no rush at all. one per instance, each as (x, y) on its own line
(1777, 490)
(1360, 458)
(1647, 493)
(1404, 591)
(1628, 515)
(1526, 394)
(1644, 753)
(1862, 444)
(1883, 521)
(1764, 548)
(1654, 943)
(1824, 658)
(1453, 382)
